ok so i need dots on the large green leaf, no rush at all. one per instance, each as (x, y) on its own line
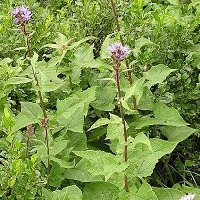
(104, 98)
(70, 114)
(141, 138)
(141, 42)
(58, 145)
(80, 173)
(167, 193)
(177, 134)
(71, 111)
(48, 77)
(142, 159)
(77, 141)
(18, 80)
(115, 133)
(135, 90)
(174, 2)
(100, 122)
(84, 55)
(87, 97)
(145, 192)
(100, 191)
(68, 193)
(101, 163)
(56, 175)
(194, 48)
(31, 113)
(163, 115)
(157, 74)
(147, 100)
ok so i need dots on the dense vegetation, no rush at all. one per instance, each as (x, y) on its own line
(78, 120)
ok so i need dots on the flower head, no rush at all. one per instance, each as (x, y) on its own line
(187, 197)
(21, 15)
(118, 51)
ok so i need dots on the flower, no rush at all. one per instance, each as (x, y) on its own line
(187, 197)
(21, 15)
(118, 51)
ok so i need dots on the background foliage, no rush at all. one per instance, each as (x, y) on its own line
(69, 40)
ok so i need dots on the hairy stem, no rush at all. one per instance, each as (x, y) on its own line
(136, 116)
(45, 119)
(123, 122)
(27, 145)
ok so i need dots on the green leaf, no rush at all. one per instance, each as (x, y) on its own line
(141, 138)
(70, 114)
(67, 193)
(174, 2)
(177, 134)
(104, 54)
(135, 90)
(75, 44)
(61, 42)
(87, 97)
(31, 113)
(126, 106)
(145, 192)
(142, 41)
(47, 77)
(5, 61)
(62, 162)
(80, 173)
(101, 163)
(99, 122)
(157, 74)
(77, 141)
(83, 55)
(71, 111)
(194, 48)
(115, 132)
(163, 115)
(142, 159)
(167, 193)
(100, 191)
(147, 100)
(34, 60)
(18, 80)
(56, 175)
(104, 98)
(58, 145)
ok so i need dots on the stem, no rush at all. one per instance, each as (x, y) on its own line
(123, 122)
(121, 38)
(45, 119)
(136, 116)
(27, 145)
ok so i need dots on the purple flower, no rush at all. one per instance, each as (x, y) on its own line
(118, 51)
(21, 15)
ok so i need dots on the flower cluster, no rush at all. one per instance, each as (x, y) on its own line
(118, 51)
(21, 15)
(187, 197)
